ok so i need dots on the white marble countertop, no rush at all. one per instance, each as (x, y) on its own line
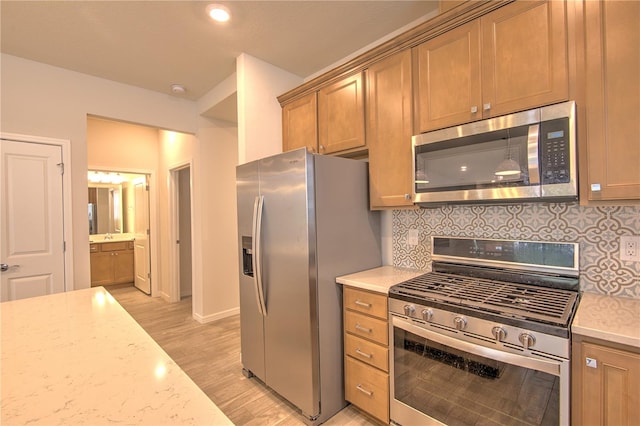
(378, 279)
(79, 358)
(615, 319)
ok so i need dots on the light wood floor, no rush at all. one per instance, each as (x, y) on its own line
(210, 355)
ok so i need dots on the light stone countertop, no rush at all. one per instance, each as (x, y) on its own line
(79, 358)
(610, 318)
(115, 238)
(379, 279)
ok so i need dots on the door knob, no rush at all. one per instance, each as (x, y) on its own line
(4, 267)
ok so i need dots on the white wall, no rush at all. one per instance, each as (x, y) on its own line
(259, 113)
(42, 100)
(215, 230)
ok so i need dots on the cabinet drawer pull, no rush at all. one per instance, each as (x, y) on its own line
(364, 329)
(364, 354)
(363, 304)
(364, 391)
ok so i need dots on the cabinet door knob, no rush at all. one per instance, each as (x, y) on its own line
(486, 106)
(407, 197)
(595, 187)
(474, 109)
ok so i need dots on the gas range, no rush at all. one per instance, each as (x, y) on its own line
(521, 295)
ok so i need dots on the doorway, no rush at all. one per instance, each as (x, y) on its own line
(182, 263)
(118, 210)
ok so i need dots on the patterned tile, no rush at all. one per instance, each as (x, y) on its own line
(596, 229)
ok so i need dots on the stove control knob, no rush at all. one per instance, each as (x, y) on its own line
(460, 323)
(527, 340)
(427, 314)
(409, 310)
(499, 333)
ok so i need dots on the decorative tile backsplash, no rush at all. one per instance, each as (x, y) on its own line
(596, 229)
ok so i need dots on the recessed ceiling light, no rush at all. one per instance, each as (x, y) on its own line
(218, 12)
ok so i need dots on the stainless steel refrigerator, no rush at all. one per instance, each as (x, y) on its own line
(303, 220)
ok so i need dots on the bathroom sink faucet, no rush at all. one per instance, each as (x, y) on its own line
(108, 236)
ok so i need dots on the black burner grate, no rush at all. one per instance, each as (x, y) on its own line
(531, 302)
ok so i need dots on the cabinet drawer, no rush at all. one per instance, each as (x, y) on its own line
(121, 245)
(367, 388)
(367, 327)
(366, 351)
(366, 302)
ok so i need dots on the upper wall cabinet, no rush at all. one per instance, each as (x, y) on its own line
(612, 100)
(511, 59)
(341, 115)
(300, 124)
(447, 83)
(389, 131)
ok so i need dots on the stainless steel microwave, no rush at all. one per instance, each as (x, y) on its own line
(526, 156)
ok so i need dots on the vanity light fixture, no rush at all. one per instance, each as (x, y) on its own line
(108, 178)
(218, 12)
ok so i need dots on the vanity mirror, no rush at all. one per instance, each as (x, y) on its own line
(110, 202)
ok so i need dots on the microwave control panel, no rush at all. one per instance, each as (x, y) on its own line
(555, 165)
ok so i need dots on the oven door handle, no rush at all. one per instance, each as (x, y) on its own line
(549, 367)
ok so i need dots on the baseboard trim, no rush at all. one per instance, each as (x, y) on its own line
(217, 316)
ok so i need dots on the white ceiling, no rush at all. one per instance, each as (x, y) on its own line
(153, 44)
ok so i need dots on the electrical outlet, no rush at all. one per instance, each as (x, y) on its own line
(630, 248)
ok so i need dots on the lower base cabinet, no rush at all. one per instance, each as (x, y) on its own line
(111, 263)
(366, 349)
(606, 384)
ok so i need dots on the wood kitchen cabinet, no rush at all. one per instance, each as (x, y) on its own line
(366, 349)
(511, 59)
(341, 116)
(606, 383)
(300, 124)
(612, 101)
(389, 130)
(111, 263)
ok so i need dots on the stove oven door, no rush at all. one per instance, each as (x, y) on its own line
(440, 379)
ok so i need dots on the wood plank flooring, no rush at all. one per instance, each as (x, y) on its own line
(210, 355)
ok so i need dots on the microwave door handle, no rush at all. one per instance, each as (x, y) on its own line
(257, 253)
(532, 154)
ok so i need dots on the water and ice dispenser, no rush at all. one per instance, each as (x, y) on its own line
(247, 256)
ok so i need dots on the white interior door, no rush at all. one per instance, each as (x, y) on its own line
(184, 227)
(141, 255)
(32, 233)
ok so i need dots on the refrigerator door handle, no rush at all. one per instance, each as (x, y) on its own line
(257, 253)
